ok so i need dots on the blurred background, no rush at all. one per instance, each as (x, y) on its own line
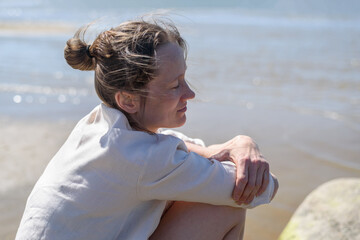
(285, 72)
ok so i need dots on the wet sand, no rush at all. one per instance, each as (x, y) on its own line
(302, 152)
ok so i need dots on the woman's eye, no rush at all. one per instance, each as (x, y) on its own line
(176, 86)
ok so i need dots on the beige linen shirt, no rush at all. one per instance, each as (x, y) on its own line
(110, 182)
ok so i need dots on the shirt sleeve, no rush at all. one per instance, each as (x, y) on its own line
(174, 174)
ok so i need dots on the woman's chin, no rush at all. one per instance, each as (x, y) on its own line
(182, 121)
(179, 123)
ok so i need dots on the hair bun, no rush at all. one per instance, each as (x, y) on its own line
(77, 55)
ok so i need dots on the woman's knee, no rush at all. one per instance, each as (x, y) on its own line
(210, 210)
(199, 219)
(225, 212)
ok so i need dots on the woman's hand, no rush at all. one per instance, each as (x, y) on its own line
(252, 170)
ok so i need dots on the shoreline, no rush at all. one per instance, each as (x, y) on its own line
(36, 28)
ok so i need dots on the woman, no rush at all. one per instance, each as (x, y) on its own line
(119, 177)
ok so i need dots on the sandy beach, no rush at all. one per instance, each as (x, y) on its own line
(25, 149)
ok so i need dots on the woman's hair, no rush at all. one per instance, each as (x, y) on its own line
(123, 57)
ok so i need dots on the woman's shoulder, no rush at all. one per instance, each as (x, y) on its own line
(142, 143)
(108, 129)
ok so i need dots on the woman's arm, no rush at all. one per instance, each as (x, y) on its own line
(189, 177)
(252, 170)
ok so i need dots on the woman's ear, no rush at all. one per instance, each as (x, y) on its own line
(128, 102)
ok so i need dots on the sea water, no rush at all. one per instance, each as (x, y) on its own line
(298, 56)
(291, 54)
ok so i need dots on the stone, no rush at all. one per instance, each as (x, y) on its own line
(330, 212)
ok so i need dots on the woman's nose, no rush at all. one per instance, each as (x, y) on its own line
(188, 93)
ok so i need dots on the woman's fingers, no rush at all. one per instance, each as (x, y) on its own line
(254, 183)
(258, 184)
(242, 175)
(250, 184)
(252, 171)
(252, 179)
(265, 180)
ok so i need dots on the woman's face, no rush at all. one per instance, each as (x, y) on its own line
(168, 93)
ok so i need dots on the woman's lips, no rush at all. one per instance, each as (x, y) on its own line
(183, 109)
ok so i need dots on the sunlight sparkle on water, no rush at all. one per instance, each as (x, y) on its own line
(17, 99)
